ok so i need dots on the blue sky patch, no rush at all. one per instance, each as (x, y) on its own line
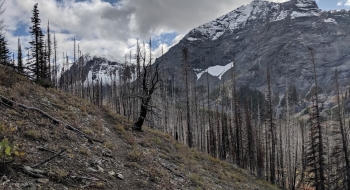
(331, 4)
(166, 38)
(21, 30)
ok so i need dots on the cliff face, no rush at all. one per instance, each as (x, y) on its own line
(276, 35)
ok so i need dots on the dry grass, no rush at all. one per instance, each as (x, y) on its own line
(32, 133)
(135, 155)
(197, 179)
(84, 151)
(120, 128)
(59, 174)
(98, 185)
(109, 145)
(88, 131)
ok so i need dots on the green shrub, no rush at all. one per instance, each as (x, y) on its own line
(8, 151)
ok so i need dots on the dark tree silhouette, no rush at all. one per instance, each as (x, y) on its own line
(49, 52)
(19, 58)
(4, 51)
(148, 84)
(344, 136)
(187, 73)
(272, 129)
(315, 157)
(38, 65)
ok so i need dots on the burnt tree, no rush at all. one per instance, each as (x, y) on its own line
(148, 84)
(316, 160)
(187, 70)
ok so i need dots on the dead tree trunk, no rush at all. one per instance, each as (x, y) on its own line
(148, 88)
(344, 136)
(187, 70)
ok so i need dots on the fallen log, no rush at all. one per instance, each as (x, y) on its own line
(51, 151)
(52, 157)
(34, 172)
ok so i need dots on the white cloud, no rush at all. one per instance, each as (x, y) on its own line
(343, 3)
(347, 3)
(104, 28)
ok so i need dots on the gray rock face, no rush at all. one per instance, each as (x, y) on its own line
(275, 35)
(99, 67)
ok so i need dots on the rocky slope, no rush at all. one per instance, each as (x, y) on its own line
(123, 160)
(276, 35)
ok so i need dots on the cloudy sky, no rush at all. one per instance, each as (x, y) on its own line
(111, 27)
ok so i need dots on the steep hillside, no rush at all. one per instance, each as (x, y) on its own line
(122, 160)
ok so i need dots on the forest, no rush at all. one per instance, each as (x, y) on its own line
(293, 149)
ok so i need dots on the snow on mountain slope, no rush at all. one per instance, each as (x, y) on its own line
(90, 56)
(217, 70)
(103, 69)
(330, 20)
(256, 11)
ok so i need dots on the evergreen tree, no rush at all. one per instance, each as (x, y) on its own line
(36, 45)
(19, 58)
(4, 51)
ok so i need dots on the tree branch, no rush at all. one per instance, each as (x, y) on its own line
(52, 157)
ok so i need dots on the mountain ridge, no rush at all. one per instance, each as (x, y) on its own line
(281, 45)
(257, 10)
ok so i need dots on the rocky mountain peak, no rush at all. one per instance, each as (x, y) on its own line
(265, 34)
(257, 12)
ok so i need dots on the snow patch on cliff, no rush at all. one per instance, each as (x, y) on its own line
(330, 20)
(217, 70)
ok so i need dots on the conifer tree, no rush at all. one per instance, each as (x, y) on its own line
(35, 32)
(4, 51)
(19, 58)
(36, 46)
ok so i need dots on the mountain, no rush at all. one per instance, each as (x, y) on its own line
(264, 35)
(97, 68)
(50, 139)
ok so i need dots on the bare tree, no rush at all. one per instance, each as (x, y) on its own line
(148, 83)
(316, 160)
(187, 70)
(344, 136)
(272, 129)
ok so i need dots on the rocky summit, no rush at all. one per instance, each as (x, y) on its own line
(278, 36)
